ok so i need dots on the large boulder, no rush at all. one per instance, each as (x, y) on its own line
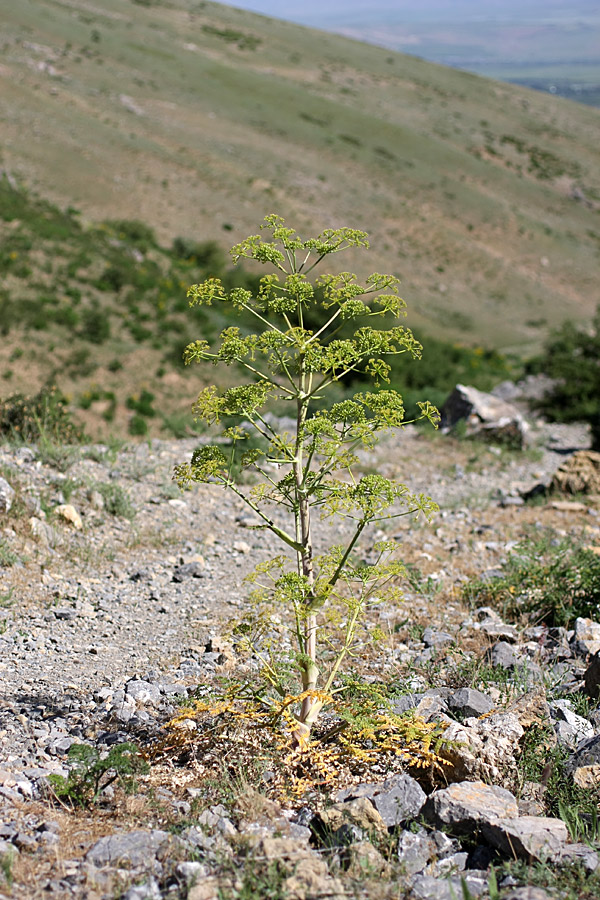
(484, 416)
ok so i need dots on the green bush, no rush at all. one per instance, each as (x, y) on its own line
(43, 416)
(142, 404)
(138, 426)
(116, 501)
(546, 578)
(134, 232)
(205, 254)
(95, 325)
(572, 357)
(91, 774)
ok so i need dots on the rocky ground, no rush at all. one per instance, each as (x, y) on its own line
(117, 593)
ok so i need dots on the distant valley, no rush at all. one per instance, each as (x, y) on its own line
(549, 46)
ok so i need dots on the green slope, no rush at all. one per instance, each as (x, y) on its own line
(196, 117)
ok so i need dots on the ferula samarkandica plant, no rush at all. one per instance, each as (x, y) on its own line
(312, 467)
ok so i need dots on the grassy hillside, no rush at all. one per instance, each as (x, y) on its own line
(199, 119)
(101, 312)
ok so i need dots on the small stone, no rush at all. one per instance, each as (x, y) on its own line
(69, 513)
(579, 474)
(216, 819)
(359, 812)
(586, 638)
(502, 654)
(401, 799)
(495, 629)
(188, 570)
(47, 535)
(96, 500)
(586, 754)
(241, 547)
(134, 848)
(365, 860)
(469, 702)
(147, 890)
(192, 872)
(456, 862)
(25, 841)
(484, 415)
(579, 853)
(206, 889)
(143, 692)
(426, 887)
(591, 677)
(482, 749)
(587, 777)
(528, 892)
(437, 639)
(7, 495)
(569, 728)
(414, 851)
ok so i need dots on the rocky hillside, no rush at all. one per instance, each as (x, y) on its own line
(117, 598)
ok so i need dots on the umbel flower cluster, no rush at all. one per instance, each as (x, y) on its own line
(312, 467)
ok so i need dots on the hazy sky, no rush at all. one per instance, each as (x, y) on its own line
(344, 11)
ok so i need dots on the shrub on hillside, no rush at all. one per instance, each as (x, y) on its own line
(572, 358)
(43, 416)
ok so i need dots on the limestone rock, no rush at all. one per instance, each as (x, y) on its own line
(485, 416)
(415, 851)
(7, 495)
(360, 812)
(569, 728)
(365, 860)
(470, 703)
(68, 512)
(579, 474)
(529, 837)
(143, 691)
(401, 799)
(579, 853)
(586, 754)
(587, 777)
(46, 534)
(528, 892)
(131, 849)
(206, 889)
(482, 748)
(148, 890)
(468, 804)
(586, 639)
(398, 799)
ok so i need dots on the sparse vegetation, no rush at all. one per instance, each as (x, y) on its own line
(116, 501)
(572, 357)
(91, 774)
(547, 579)
(45, 416)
